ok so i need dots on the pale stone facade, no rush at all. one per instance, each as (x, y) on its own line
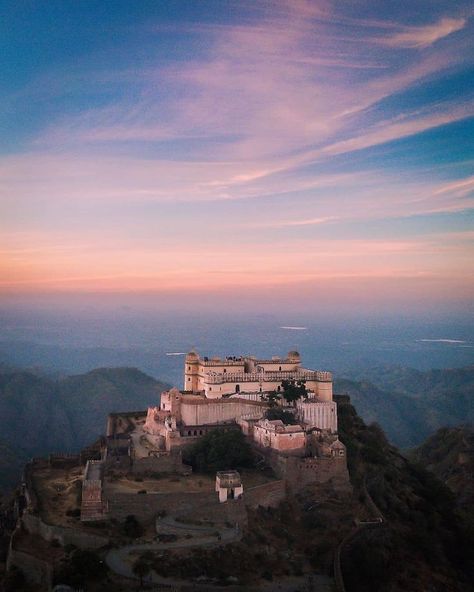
(181, 416)
(232, 390)
(219, 377)
(184, 416)
(318, 414)
(284, 438)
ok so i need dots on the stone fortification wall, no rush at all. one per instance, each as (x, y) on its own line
(64, 460)
(65, 535)
(164, 463)
(194, 506)
(299, 472)
(201, 411)
(268, 495)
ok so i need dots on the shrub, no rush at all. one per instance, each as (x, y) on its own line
(278, 413)
(220, 450)
(131, 527)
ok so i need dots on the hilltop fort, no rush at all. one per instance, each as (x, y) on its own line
(231, 393)
(135, 476)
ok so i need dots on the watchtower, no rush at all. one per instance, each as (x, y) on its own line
(191, 371)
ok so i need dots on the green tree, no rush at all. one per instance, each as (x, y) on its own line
(271, 398)
(131, 527)
(279, 413)
(293, 390)
(220, 450)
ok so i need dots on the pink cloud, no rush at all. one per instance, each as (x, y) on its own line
(423, 36)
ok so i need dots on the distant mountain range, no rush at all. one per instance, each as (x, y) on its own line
(40, 415)
(409, 404)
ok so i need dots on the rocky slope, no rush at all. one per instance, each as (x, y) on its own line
(424, 542)
(449, 454)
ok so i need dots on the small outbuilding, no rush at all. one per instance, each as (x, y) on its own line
(229, 485)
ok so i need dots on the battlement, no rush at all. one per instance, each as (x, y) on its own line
(221, 362)
(269, 376)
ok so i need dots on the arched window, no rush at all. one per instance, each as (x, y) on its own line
(195, 432)
(237, 388)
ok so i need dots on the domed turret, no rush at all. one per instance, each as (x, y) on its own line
(192, 356)
(294, 356)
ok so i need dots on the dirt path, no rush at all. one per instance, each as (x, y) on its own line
(119, 561)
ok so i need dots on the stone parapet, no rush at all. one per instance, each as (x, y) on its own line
(267, 376)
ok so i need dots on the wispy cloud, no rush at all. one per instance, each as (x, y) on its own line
(385, 131)
(290, 223)
(275, 110)
(423, 36)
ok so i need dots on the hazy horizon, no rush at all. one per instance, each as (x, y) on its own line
(72, 337)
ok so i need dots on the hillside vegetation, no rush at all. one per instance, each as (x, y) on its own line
(424, 543)
(40, 415)
(449, 454)
(409, 404)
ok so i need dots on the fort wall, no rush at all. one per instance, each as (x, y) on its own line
(163, 463)
(300, 472)
(65, 535)
(199, 412)
(195, 505)
(189, 505)
(268, 495)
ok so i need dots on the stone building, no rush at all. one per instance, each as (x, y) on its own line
(229, 485)
(290, 439)
(231, 393)
(231, 390)
(217, 377)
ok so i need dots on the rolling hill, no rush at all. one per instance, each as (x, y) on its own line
(410, 405)
(40, 415)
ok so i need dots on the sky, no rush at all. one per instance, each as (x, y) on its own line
(313, 154)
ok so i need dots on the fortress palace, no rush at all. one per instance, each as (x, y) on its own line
(231, 393)
(235, 391)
